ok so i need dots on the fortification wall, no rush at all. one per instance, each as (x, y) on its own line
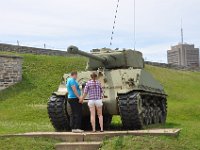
(10, 70)
(171, 66)
(32, 50)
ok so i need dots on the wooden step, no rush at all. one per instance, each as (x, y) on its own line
(78, 146)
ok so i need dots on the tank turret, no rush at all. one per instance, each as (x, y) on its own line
(110, 59)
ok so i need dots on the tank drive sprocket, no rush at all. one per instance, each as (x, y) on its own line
(141, 109)
(58, 113)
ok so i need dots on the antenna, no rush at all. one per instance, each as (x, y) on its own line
(134, 25)
(182, 31)
(114, 23)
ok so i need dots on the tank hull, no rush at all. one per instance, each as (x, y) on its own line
(115, 82)
(131, 93)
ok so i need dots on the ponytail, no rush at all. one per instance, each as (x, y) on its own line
(94, 77)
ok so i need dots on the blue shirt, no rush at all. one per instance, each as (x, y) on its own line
(72, 82)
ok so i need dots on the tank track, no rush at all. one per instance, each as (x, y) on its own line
(140, 109)
(60, 116)
(58, 113)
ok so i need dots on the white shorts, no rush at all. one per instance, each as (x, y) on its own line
(97, 103)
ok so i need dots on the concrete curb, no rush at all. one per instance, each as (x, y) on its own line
(78, 146)
(63, 136)
(97, 136)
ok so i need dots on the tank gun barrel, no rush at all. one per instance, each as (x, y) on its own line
(75, 50)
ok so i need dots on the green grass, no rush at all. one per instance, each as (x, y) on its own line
(147, 143)
(23, 106)
(183, 89)
(27, 143)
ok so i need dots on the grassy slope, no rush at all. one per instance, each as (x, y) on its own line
(183, 89)
(23, 106)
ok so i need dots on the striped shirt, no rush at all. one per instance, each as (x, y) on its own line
(94, 89)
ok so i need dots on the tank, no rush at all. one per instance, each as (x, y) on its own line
(129, 91)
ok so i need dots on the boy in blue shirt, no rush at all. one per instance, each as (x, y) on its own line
(75, 102)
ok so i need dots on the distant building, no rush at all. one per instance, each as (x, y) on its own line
(183, 55)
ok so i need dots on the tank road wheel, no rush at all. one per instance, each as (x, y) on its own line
(57, 110)
(155, 116)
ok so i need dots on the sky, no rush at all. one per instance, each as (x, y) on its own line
(88, 24)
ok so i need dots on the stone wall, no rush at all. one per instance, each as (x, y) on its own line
(10, 70)
(32, 50)
(172, 66)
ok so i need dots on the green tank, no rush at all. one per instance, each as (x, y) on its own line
(129, 91)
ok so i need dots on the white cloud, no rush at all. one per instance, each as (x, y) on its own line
(88, 23)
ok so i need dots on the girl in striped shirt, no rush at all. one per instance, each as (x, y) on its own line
(94, 90)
